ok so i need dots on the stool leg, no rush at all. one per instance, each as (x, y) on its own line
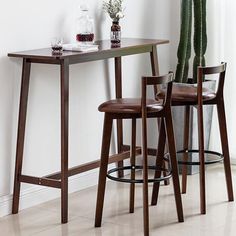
(165, 163)
(145, 176)
(186, 143)
(106, 139)
(159, 161)
(225, 148)
(174, 165)
(201, 159)
(120, 164)
(21, 134)
(132, 161)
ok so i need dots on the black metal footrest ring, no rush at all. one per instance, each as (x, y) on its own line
(218, 157)
(136, 181)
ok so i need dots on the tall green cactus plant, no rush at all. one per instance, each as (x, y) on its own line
(200, 35)
(184, 49)
(200, 39)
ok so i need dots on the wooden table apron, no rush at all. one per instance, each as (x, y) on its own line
(60, 179)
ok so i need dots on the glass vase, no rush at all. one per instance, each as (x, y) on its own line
(115, 33)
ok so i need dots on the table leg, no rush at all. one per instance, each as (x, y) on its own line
(21, 133)
(64, 138)
(154, 65)
(118, 79)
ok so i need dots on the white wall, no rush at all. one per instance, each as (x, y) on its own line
(221, 38)
(229, 36)
(30, 24)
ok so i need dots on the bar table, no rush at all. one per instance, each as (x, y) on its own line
(128, 46)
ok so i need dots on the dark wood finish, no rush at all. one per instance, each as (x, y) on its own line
(166, 115)
(156, 72)
(127, 47)
(220, 69)
(64, 138)
(199, 97)
(174, 165)
(155, 66)
(45, 56)
(225, 148)
(132, 162)
(159, 160)
(40, 181)
(201, 144)
(121, 109)
(21, 133)
(145, 157)
(118, 81)
(106, 139)
(223, 127)
(186, 145)
(93, 164)
(171, 144)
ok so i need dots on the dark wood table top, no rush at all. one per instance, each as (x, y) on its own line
(128, 46)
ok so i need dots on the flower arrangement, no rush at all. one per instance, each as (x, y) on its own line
(114, 9)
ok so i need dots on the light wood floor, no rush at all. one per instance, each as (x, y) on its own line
(44, 220)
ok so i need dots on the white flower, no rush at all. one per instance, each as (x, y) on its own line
(120, 15)
(114, 9)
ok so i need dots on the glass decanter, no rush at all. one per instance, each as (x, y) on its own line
(85, 27)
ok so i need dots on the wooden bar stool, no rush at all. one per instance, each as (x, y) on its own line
(199, 96)
(135, 109)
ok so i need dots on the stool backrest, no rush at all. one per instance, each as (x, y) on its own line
(220, 70)
(157, 80)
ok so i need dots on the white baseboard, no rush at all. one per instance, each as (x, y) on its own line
(233, 160)
(36, 195)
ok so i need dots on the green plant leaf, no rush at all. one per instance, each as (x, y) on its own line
(200, 35)
(184, 48)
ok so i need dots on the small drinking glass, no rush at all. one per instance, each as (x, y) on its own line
(56, 45)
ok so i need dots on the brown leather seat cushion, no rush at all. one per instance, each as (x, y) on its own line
(187, 93)
(129, 105)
